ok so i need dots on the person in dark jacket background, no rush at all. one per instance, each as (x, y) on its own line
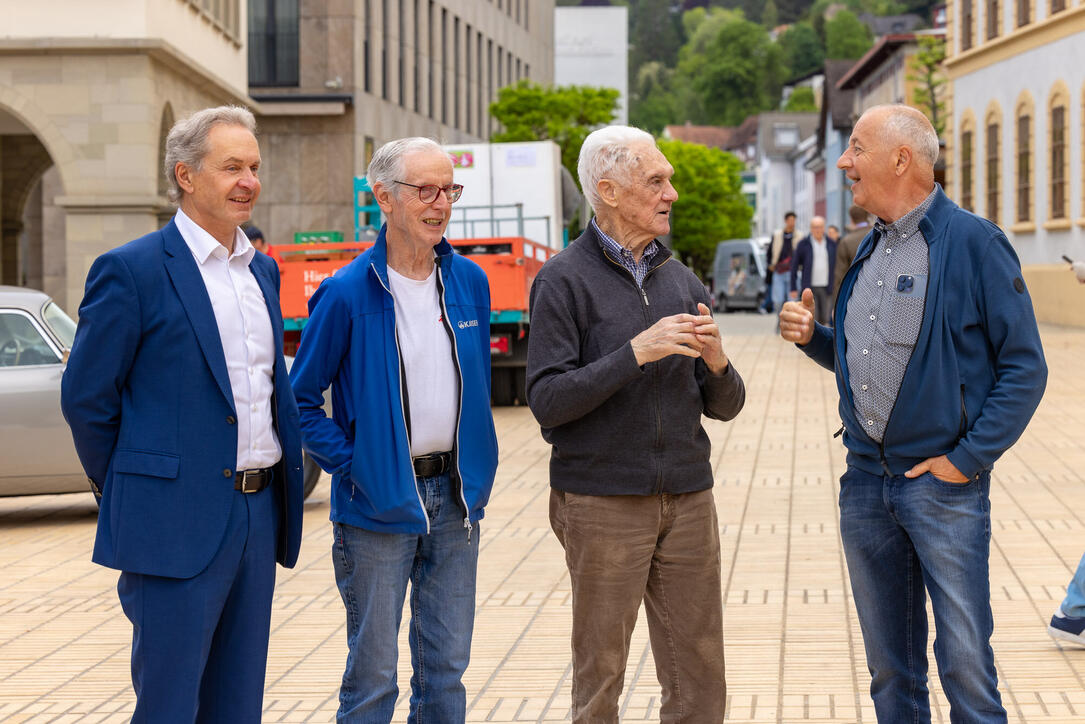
(939, 368)
(623, 359)
(402, 336)
(814, 256)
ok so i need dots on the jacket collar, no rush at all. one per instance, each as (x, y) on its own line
(594, 244)
(378, 258)
(934, 223)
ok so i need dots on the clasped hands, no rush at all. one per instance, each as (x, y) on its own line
(691, 335)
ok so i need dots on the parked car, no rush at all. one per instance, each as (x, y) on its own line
(738, 275)
(37, 455)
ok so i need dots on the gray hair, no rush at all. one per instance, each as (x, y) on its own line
(907, 126)
(187, 140)
(606, 154)
(387, 165)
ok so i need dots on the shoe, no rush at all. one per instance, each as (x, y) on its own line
(1067, 628)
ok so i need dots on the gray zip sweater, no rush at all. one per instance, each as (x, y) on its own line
(617, 428)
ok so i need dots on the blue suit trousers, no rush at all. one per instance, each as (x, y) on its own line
(199, 645)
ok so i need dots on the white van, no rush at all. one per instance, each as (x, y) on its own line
(738, 275)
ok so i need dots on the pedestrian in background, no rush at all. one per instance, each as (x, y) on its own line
(814, 257)
(402, 337)
(939, 368)
(623, 359)
(849, 244)
(780, 252)
(178, 397)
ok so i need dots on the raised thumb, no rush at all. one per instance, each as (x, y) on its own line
(808, 299)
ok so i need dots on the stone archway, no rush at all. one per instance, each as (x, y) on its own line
(24, 159)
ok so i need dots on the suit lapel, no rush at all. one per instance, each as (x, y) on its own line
(192, 292)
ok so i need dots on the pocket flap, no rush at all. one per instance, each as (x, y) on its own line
(138, 462)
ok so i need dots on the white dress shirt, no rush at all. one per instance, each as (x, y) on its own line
(819, 269)
(245, 330)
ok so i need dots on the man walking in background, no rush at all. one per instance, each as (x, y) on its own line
(814, 256)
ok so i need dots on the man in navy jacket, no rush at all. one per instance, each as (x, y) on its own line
(939, 367)
(402, 336)
(179, 402)
(815, 255)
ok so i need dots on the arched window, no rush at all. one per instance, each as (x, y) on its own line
(967, 161)
(994, 19)
(1023, 163)
(993, 175)
(1058, 124)
(1024, 12)
(967, 22)
(1057, 6)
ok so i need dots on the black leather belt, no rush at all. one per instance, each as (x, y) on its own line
(252, 481)
(426, 466)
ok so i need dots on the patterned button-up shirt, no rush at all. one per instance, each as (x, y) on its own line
(883, 317)
(639, 269)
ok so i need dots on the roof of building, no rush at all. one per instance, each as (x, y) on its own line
(805, 125)
(837, 100)
(711, 136)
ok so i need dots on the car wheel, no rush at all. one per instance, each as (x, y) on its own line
(721, 304)
(311, 472)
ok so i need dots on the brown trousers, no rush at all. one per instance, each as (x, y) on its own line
(664, 550)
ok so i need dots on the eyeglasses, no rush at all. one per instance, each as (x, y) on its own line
(428, 194)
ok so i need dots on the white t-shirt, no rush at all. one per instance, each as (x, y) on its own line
(432, 385)
(819, 270)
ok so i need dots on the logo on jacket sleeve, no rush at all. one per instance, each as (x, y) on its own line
(467, 323)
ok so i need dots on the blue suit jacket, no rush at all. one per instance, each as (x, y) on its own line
(804, 257)
(148, 399)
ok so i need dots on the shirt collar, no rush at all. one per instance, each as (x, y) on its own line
(909, 223)
(203, 245)
(614, 246)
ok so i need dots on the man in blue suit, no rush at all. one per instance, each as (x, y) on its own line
(815, 256)
(178, 398)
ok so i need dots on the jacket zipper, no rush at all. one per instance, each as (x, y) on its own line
(402, 384)
(655, 372)
(459, 409)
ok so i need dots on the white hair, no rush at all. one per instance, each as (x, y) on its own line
(187, 140)
(387, 166)
(907, 126)
(606, 154)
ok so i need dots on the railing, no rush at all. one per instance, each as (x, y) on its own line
(484, 221)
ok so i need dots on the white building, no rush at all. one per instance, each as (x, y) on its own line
(591, 47)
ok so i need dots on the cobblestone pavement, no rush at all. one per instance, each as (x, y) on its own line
(793, 645)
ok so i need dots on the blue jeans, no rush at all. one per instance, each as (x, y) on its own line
(1074, 603)
(904, 539)
(781, 286)
(372, 571)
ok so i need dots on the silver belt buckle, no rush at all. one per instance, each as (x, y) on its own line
(245, 481)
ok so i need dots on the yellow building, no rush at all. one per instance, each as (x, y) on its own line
(1015, 142)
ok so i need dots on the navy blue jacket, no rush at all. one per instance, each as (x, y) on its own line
(350, 344)
(148, 398)
(804, 257)
(977, 372)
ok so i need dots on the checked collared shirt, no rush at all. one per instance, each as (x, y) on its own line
(639, 269)
(884, 315)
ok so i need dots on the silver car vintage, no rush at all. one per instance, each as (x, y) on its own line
(37, 454)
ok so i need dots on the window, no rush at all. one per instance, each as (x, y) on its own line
(418, 57)
(273, 43)
(402, 55)
(1057, 6)
(967, 150)
(1058, 143)
(384, 49)
(966, 24)
(457, 119)
(993, 19)
(468, 84)
(1024, 12)
(444, 66)
(366, 58)
(22, 344)
(993, 130)
(1024, 166)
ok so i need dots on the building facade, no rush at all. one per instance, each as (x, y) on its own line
(1015, 145)
(88, 92)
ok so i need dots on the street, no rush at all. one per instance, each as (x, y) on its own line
(793, 645)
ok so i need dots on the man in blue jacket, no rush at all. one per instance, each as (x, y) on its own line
(815, 255)
(402, 336)
(939, 367)
(178, 398)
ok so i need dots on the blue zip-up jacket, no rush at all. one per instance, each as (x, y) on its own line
(350, 344)
(977, 372)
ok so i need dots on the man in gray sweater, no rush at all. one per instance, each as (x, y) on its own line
(623, 359)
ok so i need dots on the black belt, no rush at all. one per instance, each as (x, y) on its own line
(426, 466)
(252, 481)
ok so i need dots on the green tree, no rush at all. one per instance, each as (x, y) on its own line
(653, 102)
(654, 34)
(770, 16)
(926, 73)
(710, 205)
(802, 48)
(564, 114)
(846, 37)
(802, 99)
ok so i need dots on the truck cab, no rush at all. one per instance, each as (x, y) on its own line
(738, 275)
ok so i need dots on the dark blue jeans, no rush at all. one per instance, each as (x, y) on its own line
(905, 539)
(372, 571)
